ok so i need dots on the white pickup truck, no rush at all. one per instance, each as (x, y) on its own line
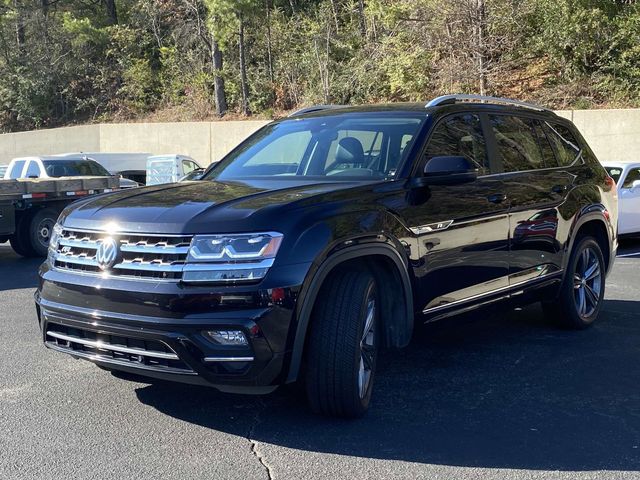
(57, 166)
(30, 207)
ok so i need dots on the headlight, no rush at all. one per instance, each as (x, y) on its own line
(228, 258)
(54, 238)
(54, 241)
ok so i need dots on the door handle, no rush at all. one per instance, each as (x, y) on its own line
(497, 198)
(559, 188)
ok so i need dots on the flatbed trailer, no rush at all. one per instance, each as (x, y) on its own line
(29, 208)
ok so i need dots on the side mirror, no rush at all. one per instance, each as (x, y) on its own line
(635, 185)
(448, 170)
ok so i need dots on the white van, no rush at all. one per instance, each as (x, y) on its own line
(169, 168)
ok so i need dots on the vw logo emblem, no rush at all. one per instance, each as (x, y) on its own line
(107, 253)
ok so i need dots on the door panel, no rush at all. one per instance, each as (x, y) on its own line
(536, 227)
(535, 187)
(461, 230)
(462, 239)
(629, 216)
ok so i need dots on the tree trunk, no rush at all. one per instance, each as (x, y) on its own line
(20, 37)
(334, 10)
(362, 19)
(243, 68)
(112, 12)
(269, 53)
(218, 82)
(481, 29)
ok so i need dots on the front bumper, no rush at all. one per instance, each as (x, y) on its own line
(155, 329)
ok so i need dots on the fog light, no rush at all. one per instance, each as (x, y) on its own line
(227, 337)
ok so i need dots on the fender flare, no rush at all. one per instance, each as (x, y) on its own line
(323, 271)
(591, 213)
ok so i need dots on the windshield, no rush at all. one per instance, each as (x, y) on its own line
(74, 168)
(349, 146)
(614, 172)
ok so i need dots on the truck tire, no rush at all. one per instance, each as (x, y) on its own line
(582, 291)
(343, 344)
(20, 239)
(40, 229)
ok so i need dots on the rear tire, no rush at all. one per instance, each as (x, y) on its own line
(20, 241)
(582, 291)
(343, 345)
(40, 230)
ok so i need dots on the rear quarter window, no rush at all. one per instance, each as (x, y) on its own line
(564, 143)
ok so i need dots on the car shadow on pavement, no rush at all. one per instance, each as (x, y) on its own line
(509, 391)
(17, 272)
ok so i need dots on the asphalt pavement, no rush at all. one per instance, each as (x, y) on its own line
(497, 395)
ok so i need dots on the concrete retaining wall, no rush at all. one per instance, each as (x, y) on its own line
(612, 134)
(204, 141)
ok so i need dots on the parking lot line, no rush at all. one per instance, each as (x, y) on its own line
(628, 254)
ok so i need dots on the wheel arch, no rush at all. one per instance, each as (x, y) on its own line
(388, 262)
(594, 223)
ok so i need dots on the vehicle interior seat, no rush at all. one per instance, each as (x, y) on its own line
(350, 151)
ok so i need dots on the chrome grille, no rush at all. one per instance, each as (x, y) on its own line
(154, 257)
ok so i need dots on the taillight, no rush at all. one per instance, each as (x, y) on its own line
(611, 183)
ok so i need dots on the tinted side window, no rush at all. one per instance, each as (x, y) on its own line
(459, 135)
(632, 176)
(564, 143)
(33, 170)
(517, 143)
(16, 171)
(548, 155)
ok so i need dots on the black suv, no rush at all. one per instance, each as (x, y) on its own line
(325, 237)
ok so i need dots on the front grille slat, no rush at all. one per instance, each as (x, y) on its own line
(146, 249)
(144, 266)
(77, 260)
(67, 242)
(101, 345)
(136, 352)
(152, 257)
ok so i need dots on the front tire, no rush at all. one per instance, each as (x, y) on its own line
(582, 291)
(343, 345)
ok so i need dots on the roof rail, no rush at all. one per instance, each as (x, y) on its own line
(459, 98)
(314, 108)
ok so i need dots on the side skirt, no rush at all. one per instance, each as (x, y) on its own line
(513, 292)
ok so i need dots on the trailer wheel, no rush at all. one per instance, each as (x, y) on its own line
(20, 239)
(40, 229)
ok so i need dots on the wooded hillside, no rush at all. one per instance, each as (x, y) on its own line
(72, 61)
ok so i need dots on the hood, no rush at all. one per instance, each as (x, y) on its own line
(196, 207)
